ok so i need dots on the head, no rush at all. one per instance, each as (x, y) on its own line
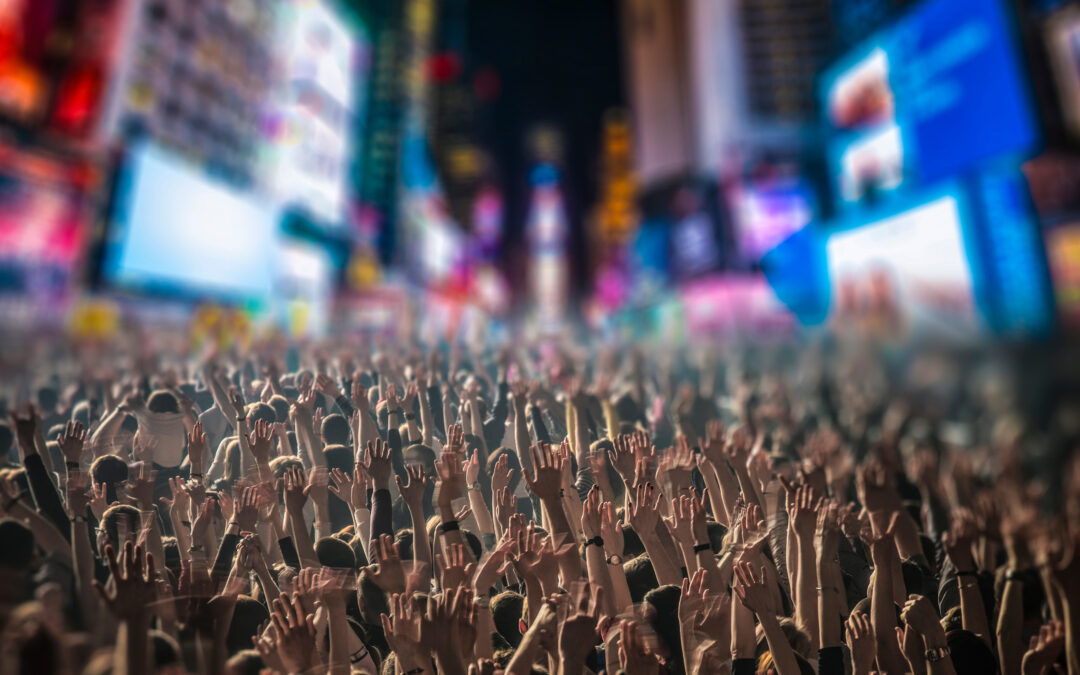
(418, 453)
(339, 457)
(112, 471)
(247, 617)
(165, 653)
(29, 644)
(244, 662)
(661, 611)
(162, 401)
(18, 550)
(281, 407)
(335, 429)
(47, 399)
(261, 411)
(970, 655)
(506, 608)
(119, 524)
(335, 553)
(640, 577)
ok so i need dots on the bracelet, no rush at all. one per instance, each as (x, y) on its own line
(395, 411)
(194, 548)
(935, 654)
(595, 541)
(196, 475)
(473, 487)
(410, 416)
(451, 526)
(234, 522)
(967, 573)
(482, 601)
(699, 548)
(414, 671)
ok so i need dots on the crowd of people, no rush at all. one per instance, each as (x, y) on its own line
(397, 509)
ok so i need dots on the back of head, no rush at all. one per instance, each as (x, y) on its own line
(970, 655)
(117, 516)
(335, 554)
(261, 412)
(247, 617)
(47, 399)
(335, 429)
(339, 457)
(245, 662)
(16, 545)
(662, 613)
(7, 438)
(640, 577)
(506, 608)
(281, 407)
(162, 401)
(165, 651)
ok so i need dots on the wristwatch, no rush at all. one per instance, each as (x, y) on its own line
(935, 654)
(614, 560)
(482, 601)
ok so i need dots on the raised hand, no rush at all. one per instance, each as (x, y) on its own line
(455, 439)
(714, 442)
(259, 441)
(805, 515)
(377, 464)
(622, 457)
(326, 385)
(643, 513)
(403, 631)
(1044, 648)
(611, 530)
(196, 442)
(247, 509)
(455, 566)
(77, 497)
(752, 590)
(295, 634)
(295, 493)
(451, 483)
(959, 539)
(141, 485)
(861, 642)
(548, 480)
(388, 573)
(919, 613)
(502, 473)
(71, 442)
(133, 589)
(586, 602)
(590, 514)
(505, 504)
(413, 491)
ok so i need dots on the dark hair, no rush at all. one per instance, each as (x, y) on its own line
(339, 457)
(665, 620)
(166, 651)
(506, 615)
(332, 552)
(16, 545)
(162, 401)
(335, 429)
(261, 411)
(640, 577)
(281, 407)
(248, 615)
(110, 521)
(245, 662)
(47, 399)
(970, 655)
(110, 470)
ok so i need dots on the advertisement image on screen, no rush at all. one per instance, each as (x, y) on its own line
(1063, 250)
(766, 213)
(950, 77)
(313, 104)
(907, 274)
(179, 232)
(43, 229)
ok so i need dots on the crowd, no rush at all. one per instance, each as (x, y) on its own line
(537, 509)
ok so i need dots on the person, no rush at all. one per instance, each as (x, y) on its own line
(557, 507)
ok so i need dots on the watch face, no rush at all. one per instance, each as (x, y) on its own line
(615, 560)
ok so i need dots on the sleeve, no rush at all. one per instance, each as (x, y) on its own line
(217, 465)
(830, 661)
(46, 498)
(434, 397)
(501, 407)
(382, 516)
(288, 552)
(225, 553)
(539, 428)
(345, 405)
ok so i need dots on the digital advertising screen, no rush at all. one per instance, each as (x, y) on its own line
(43, 228)
(905, 274)
(1063, 251)
(178, 232)
(936, 93)
(1063, 44)
(320, 68)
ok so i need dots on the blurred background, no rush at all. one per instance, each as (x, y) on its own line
(680, 169)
